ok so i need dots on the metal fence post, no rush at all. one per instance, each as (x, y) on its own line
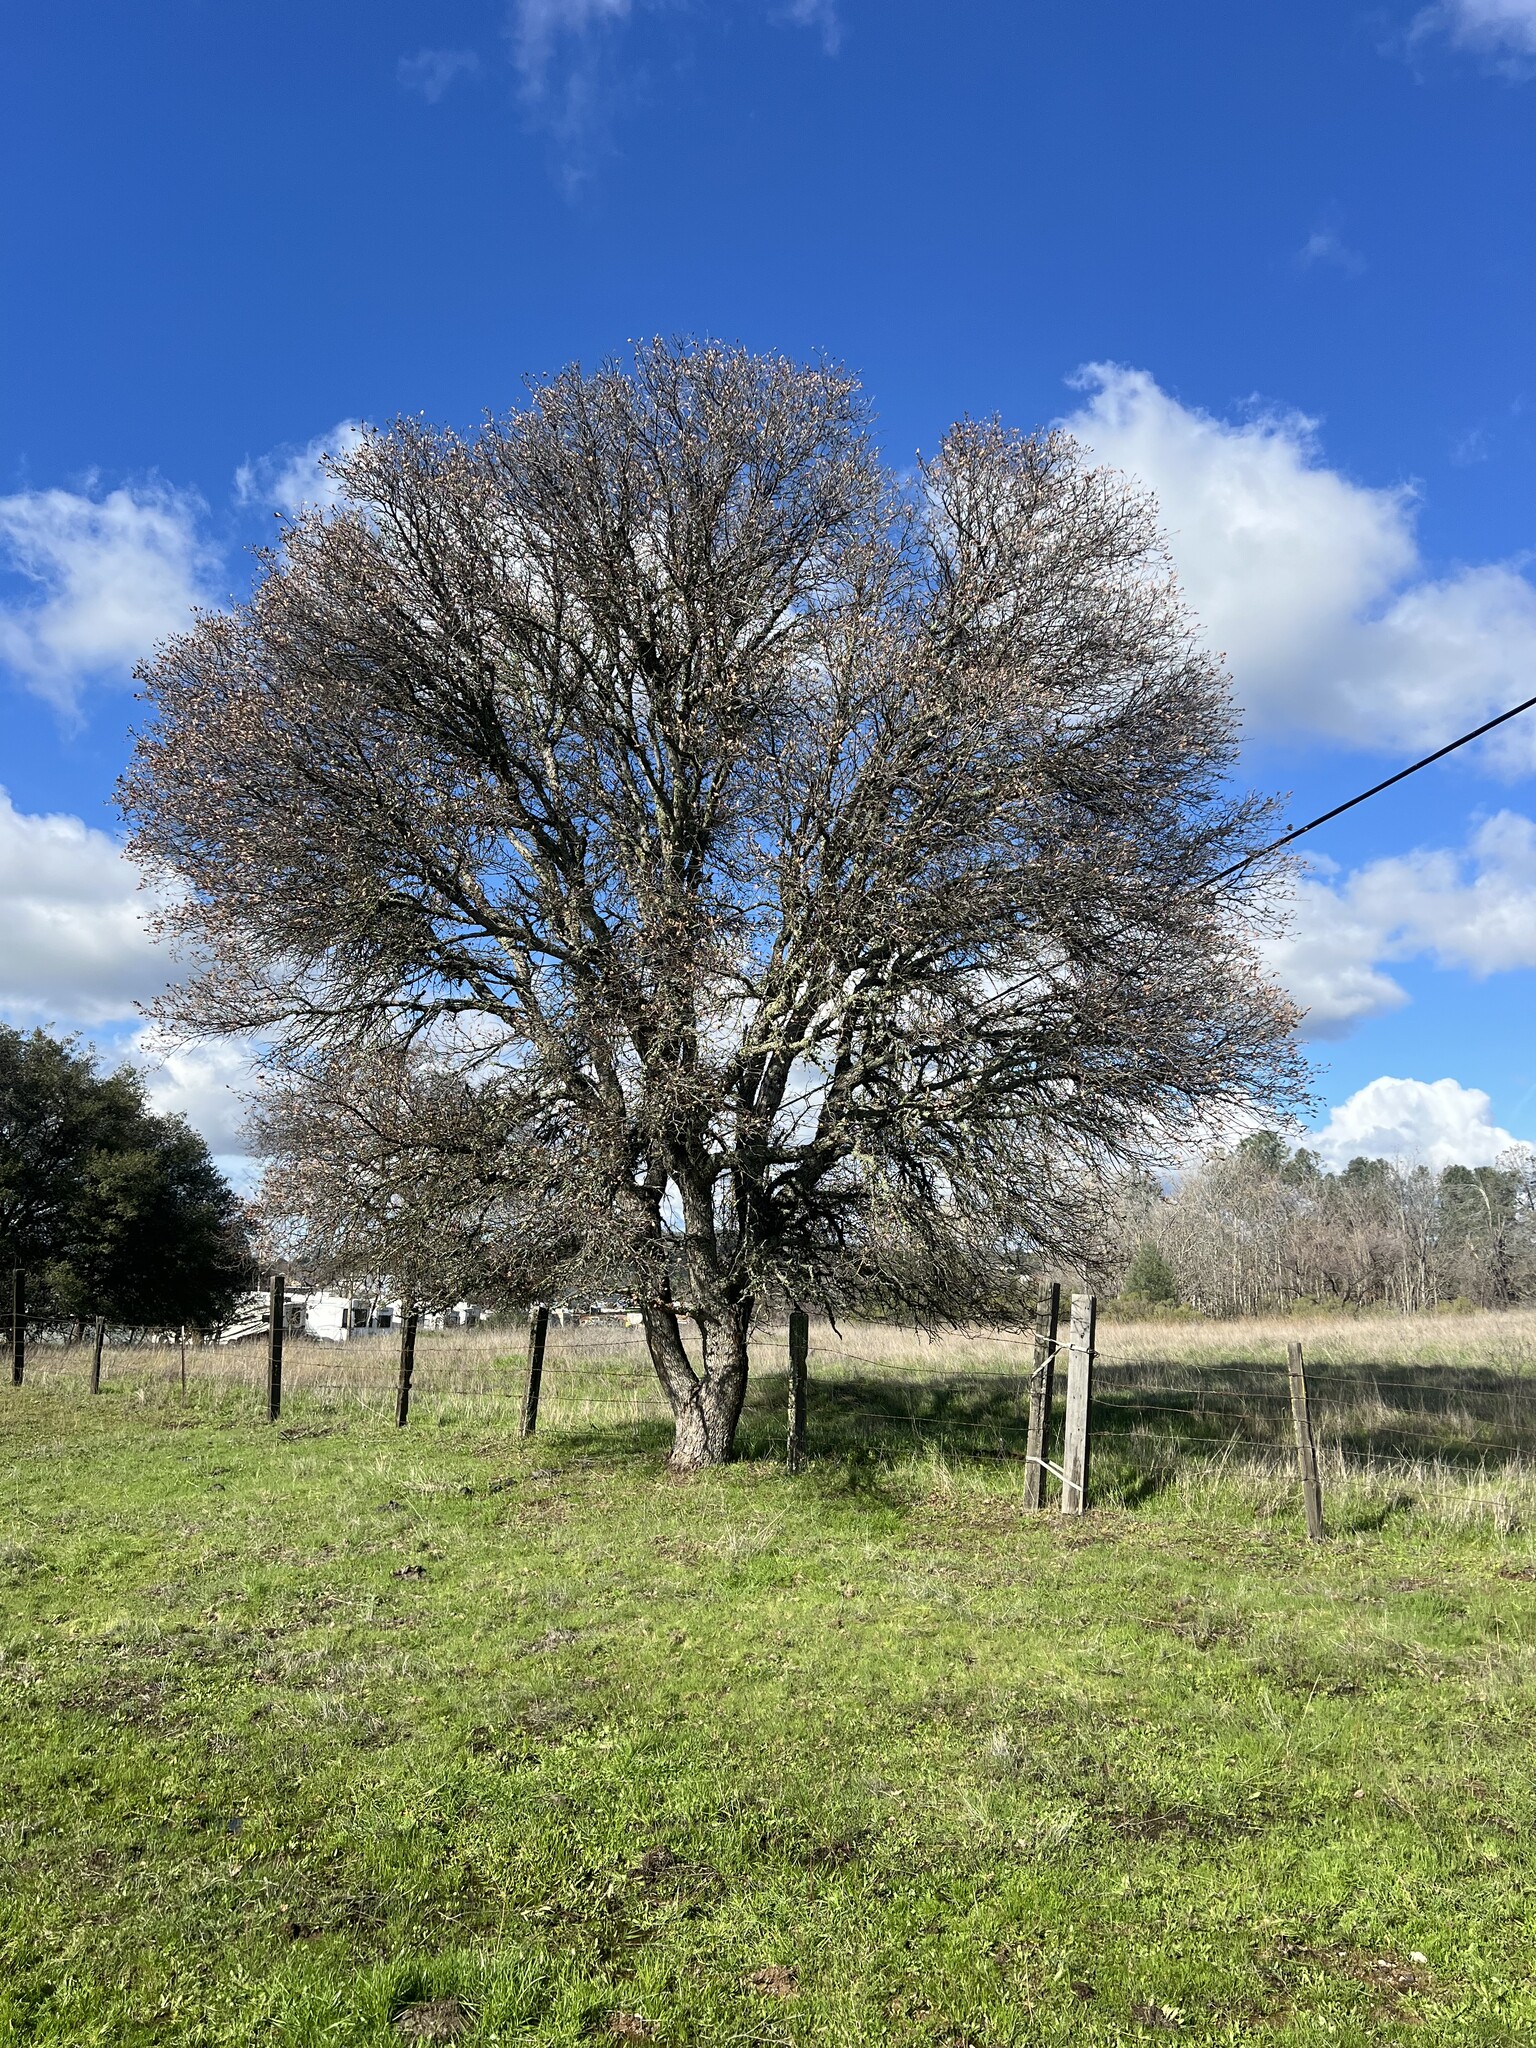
(98, 1338)
(1306, 1450)
(1074, 1457)
(538, 1330)
(18, 1326)
(799, 1352)
(1042, 1387)
(275, 1349)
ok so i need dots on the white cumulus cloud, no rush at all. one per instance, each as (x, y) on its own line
(96, 581)
(1312, 584)
(1472, 908)
(293, 479)
(78, 955)
(1328, 962)
(1436, 1123)
(77, 948)
(209, 1084)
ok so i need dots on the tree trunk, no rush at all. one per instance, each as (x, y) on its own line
(706, 1406)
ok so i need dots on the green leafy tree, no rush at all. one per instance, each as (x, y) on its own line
(1264, 1152)
(110, 1209)
(1151, 1278)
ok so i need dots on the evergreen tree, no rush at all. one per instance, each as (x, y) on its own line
(110, 1209)
(1151, 1278)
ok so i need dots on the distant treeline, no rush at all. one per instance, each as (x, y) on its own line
(1261, 1227)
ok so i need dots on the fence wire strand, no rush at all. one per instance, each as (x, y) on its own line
(1364, 1416)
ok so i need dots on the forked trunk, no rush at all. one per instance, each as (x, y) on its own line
(706, 1406)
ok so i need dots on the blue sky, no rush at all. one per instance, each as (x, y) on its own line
(1276, 259)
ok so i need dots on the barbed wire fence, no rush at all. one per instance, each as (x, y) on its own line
(1041, 1396)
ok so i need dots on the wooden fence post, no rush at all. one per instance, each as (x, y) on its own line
(1042, 1387)
(1306, 1450)
(1074, 1457)
(18, 1326)
(799, 1352)
(407, 1368)
(538, 1330)
(275, 1349)
(98, 1338)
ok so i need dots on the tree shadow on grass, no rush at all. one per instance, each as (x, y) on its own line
(1370, 1521)
(888, 1417)
(1148, 1420)
(609, 1442)
(1464, 1416)
(1119, 1482)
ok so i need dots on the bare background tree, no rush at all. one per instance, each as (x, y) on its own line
(819, 872)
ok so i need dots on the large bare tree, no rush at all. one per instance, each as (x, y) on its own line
(820, 866)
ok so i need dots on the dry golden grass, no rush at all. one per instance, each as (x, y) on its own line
(609, 1359)
(1503, 1340)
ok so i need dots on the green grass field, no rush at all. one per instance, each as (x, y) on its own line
(324, 1733)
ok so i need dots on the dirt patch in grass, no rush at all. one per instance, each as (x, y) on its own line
(1394, 1979)
(1326, 1678)
(1146, 2012)
(1156, 1822)
(434, 2019)
(505, 1755)
(835, 1855)
(122, 1700)
(1205, 1628)
(774, 1980)
(660, 1872)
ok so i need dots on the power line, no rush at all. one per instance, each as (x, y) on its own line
(1300, 831)
(1365, 794)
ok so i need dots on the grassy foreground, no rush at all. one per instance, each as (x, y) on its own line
(324, 1734)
